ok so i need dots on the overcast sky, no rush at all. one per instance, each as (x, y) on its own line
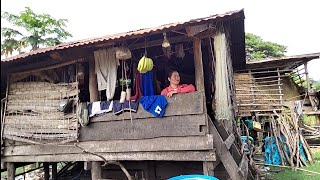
(292, 23)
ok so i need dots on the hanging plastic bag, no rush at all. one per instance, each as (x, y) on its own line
(123, 53)
(65, 105)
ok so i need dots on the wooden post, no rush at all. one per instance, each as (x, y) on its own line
(150, 170)
(307, 76)
(96, 170)
(93, 83)
(93, 90)
(11, 170)
(54, 171)
(46, 171)
(198, 64)
(208, 168)
(279, 86)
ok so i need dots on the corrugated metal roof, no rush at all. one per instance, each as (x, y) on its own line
(113, 37)
(286, 62)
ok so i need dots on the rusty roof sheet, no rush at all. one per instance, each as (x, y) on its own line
(123, 35)
(285, 62)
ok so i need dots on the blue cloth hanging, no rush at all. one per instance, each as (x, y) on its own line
(147, 84)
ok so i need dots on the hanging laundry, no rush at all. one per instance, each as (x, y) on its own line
(298, 107)
(137, 87)
(100, 107)
(147, 84)
(128, 106)
(106, 70)
(155, 105)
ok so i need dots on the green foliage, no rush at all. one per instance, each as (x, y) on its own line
(310, 120)
(257, 49)
(297, 175)
(41, 30)
(316, 85)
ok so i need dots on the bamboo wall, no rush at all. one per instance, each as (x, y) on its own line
(32, 113)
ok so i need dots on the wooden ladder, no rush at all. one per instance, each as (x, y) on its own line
(236, 164)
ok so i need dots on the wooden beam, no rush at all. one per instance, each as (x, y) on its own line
(134, 156)
(224, 154)
(93, 82)
(198, 64)
(205, 34)
(229, 141)
(188, 143)
(96, 170)
(56, 56)
(172, 40)
(72, 54)
(193, 30)
(11, 169)
(56, 65)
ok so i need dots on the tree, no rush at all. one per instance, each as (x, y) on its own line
(257, 49)
(316, 85)
(36, 30)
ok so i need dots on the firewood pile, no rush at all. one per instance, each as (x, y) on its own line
(311, 132)
(292, 146)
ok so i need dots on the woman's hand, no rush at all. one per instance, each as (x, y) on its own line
(171, 93)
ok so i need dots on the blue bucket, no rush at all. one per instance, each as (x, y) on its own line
(193, 177)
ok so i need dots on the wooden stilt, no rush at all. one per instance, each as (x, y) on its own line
(46, 171)
(151, 173)
(96, 170)
(54, 171)
(11, 170)
(93, 90)
(208, 168)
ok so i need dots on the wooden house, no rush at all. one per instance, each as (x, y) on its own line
(272, 86)
(196, 135)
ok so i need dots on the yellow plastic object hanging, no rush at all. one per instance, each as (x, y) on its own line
(145, 64)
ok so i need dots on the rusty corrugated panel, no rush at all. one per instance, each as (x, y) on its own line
(122, 35)
(287, 61)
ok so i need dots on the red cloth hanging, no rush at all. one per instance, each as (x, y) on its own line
(137, 87)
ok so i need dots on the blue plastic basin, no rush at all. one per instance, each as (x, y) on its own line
(193, 177)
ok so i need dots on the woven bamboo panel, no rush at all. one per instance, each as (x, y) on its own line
(32, 113)
(254, 95)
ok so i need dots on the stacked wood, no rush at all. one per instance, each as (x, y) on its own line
(288, 135)
(311, 132)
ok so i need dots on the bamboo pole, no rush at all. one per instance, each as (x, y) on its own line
(274, 130)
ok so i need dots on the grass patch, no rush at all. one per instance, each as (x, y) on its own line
(287, 174)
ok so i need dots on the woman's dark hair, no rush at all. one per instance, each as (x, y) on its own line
(171, 71)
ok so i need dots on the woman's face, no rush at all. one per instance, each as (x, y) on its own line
(174, 78)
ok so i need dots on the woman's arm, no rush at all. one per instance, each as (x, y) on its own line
(184, 88)
(164, 92)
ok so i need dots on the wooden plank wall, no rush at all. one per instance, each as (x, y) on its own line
(183, 117)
